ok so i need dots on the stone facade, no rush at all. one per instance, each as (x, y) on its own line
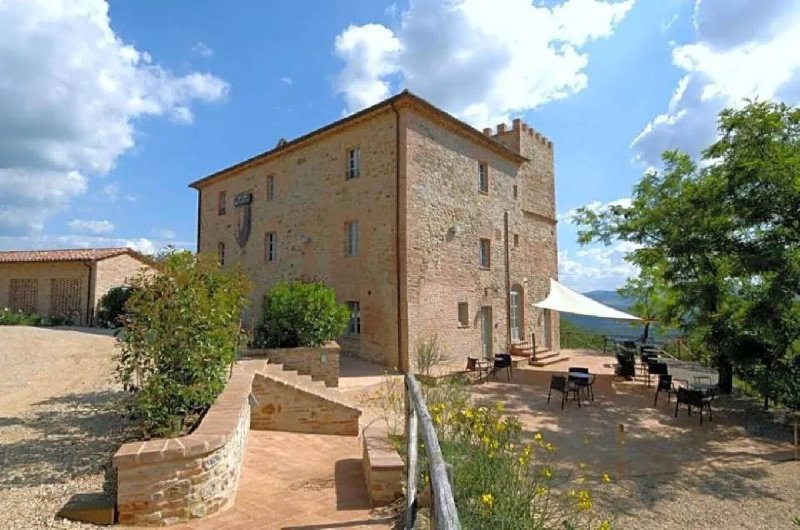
(162, 482)
(421, 216)
(70, 284)
(322, 363)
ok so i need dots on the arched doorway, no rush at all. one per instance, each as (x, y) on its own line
(517, 316)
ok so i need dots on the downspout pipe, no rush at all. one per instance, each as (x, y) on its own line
(508, 283)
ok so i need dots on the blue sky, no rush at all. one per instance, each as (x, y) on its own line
(111, 110)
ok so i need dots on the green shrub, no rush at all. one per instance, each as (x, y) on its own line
(180, 340)
(11, 317)
(111, 309)
(301, 313)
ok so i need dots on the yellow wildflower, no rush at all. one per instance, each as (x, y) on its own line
(606, 478)
(550, 447)
(540, 490)
(537, 437)
(488, 500)
(584, 500)
(547, 472)
(500, 406)
(501, 426)
(605, 525)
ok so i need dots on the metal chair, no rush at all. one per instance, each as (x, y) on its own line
(656, 368)
(667, 384)
(560, 383)
(502, 360)
(583, 383)
(695, 398)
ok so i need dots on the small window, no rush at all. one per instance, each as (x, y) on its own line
(486, 253)
(351, 239)
(354, 327)
(483, 177)
(270, 187)
(221, 253)
(270, 246)
(463, 314)
(515, 191)
(516, 240)
(353, 162)
(221, 203)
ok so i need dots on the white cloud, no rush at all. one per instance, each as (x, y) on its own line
(48, 241)
(166, 233)
(743, 49)
(93, 227)
(287, 81)
(201, 49)
(111, 191)
(595, 267)
(70, 94)
(476, 60)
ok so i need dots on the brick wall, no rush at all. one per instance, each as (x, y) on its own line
(447, 215)
(162, 482)
(322, 363)
(43, 273)
(283, 406)
(114, 272)
(312, 203)
(382, 466)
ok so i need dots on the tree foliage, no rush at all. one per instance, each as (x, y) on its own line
(300, 313)
(180, 337)
(111, 308)
(722, 239)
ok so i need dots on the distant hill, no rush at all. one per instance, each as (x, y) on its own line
(606, 326)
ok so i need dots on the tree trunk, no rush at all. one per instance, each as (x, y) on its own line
(646, 332)
(726, 376)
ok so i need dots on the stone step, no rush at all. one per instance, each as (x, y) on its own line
(305, 383)
(550, 361)
(546, 354)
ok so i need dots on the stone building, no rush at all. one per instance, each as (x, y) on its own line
(421, 223)
(66, 283)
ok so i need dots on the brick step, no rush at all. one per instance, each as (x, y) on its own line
(550, 361)
(305, 383)
(546, 354)
(527, 351)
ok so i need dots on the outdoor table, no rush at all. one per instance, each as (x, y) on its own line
(705, 388)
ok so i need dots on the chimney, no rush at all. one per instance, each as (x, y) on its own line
(501, 128)
(487, 131)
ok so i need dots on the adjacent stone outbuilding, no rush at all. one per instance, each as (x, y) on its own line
(66, 282)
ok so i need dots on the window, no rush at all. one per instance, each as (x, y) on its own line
(354, 327)
(516, 240)
(463, 314)
(486, 253)
(353, 162)
(515, 191)
(221, 253)
(221, 203)
(483, 177)
(351, 239)
(270, 246)
(270, 187)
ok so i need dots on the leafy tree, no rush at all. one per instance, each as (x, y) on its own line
(651, 301)
(301, 313)
(723, 238)
(111, 310)
(180, 338)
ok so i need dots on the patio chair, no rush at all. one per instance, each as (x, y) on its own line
(560, 383)
(656, 368)
(626, 366)
(697, 399)
(667, 384)
(480, 366)
(583, 383)
(502, 360)
(644, 360)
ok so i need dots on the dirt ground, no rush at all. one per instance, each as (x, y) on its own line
(60, 420)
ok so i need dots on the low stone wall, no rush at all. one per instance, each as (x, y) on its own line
(322, 363)
(383, 467)
(166, 481)
(284, 403)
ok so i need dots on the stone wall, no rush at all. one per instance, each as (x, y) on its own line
(162, 482)
(286, 403)
(114, 272)
(322, 363)
(313, 201)
(382, 465)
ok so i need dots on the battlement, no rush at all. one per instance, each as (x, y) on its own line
(518, 127)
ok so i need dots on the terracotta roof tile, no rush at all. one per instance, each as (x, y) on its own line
(72, 254)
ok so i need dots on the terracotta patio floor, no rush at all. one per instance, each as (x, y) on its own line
(299, 481)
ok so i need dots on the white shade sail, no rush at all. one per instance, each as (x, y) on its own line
(566, 300)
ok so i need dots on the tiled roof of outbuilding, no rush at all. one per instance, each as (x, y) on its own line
(70, 254)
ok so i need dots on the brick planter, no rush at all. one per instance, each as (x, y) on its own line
(166, 481)
(321, 363)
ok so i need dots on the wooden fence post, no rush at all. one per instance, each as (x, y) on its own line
(411, 451)
(620, 442)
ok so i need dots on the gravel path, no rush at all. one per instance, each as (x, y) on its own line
(60, 421)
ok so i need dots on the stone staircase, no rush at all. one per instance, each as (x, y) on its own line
(289, 401)
(543, 357)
